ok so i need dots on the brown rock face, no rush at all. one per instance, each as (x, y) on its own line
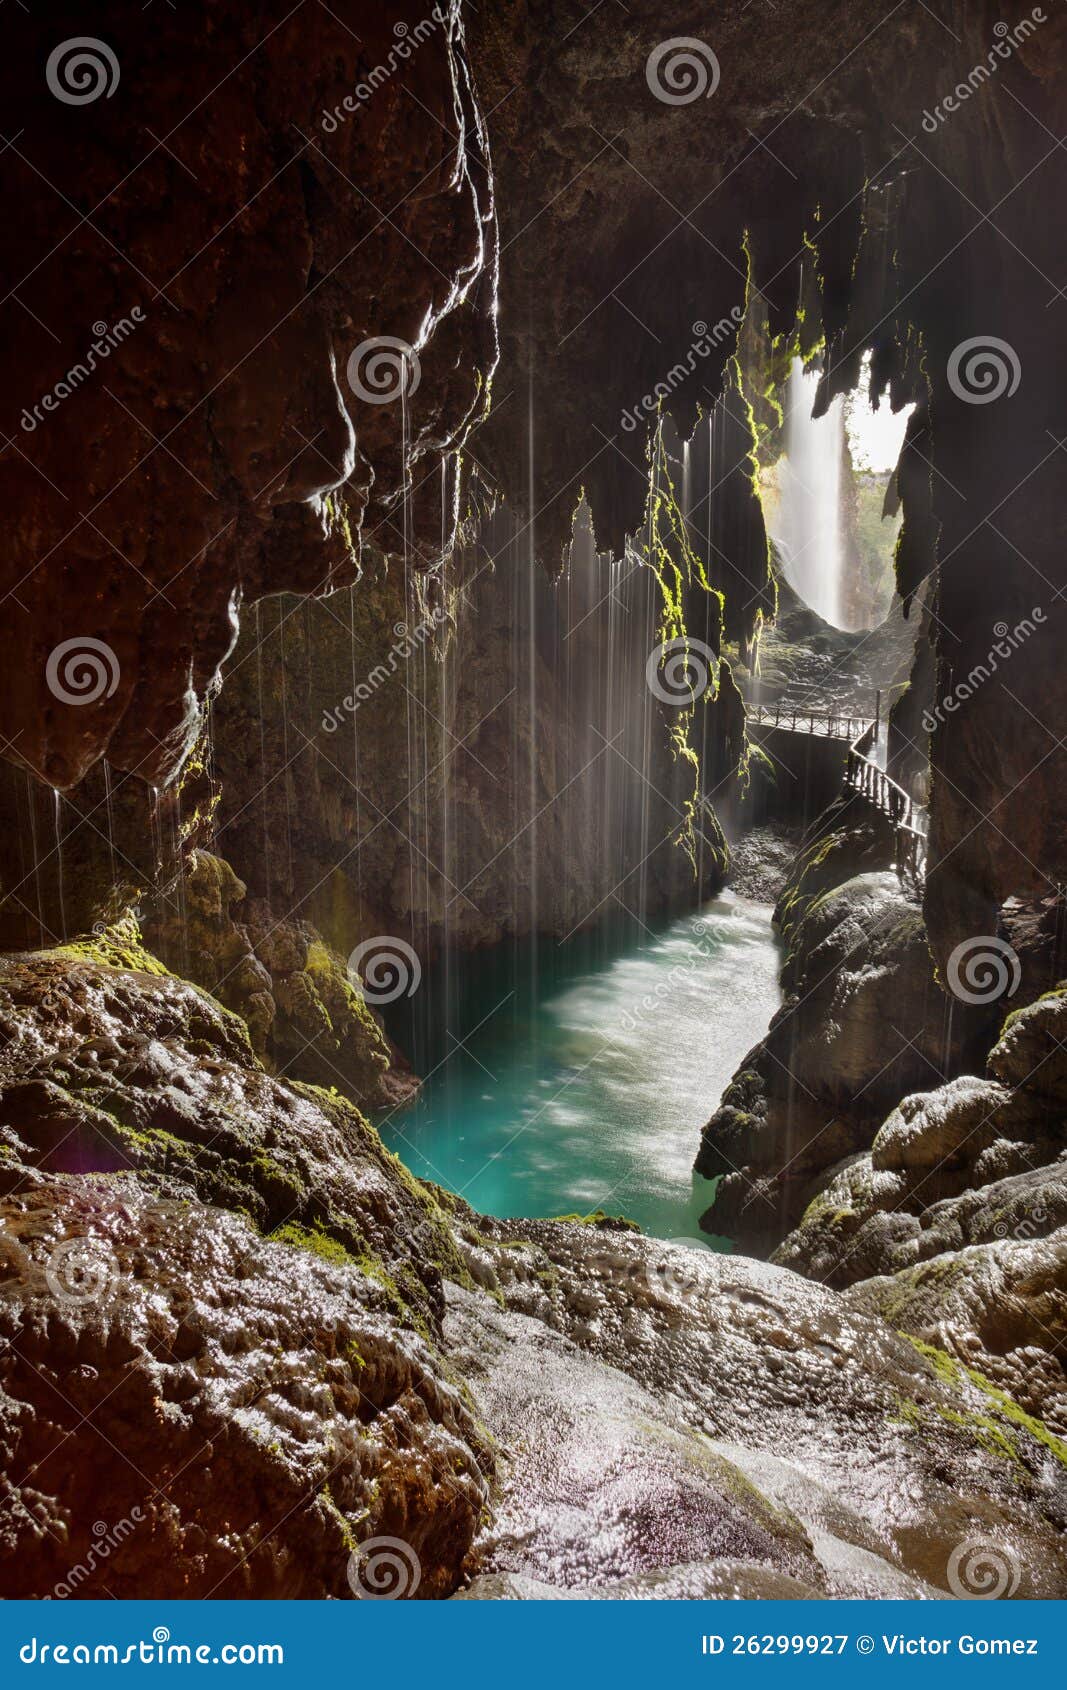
(863, 1021)
(306, 187)
(227, 1310)
(304, 1015)
(199, 279)
(249, 1402)
(488, 765)
(660, 204)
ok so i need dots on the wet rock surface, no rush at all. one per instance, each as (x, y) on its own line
(761, 860)
(235, 1412)
(692, 1407)
(304, 1015)
(272, 265)
(112, 1069)
(863, 1020)
(954, 1223)
(804, 661)
(224, 1301)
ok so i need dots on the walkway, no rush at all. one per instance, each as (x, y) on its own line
(864, 777)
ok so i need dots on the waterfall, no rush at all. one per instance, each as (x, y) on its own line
(807, 527)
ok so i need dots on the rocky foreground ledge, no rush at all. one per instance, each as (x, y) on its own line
(245, 1353)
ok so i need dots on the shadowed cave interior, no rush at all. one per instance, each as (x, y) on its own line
(533, 988)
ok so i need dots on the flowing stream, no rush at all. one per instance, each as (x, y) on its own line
(570, 1078)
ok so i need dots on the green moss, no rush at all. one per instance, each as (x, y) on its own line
(314, 1239)
(348, 1536)
(678, 569)
(987, 1429)
(948, 1370)
(986, 1433)
(906, 1412)
(118, 946)
(596, 1217)
(1056, 995)
(1010, 1410)
(271, 1173)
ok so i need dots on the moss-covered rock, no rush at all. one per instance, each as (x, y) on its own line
(304, 1014)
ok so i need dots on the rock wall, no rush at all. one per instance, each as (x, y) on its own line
(941, 1205)
(294, 1372)
(486, 765)
(188, 277)
(863, 1020)
(214, 1271)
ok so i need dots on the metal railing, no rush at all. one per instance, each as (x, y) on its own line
(864, 777)
(796, 721)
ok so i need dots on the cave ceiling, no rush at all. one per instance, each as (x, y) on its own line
(557, 210)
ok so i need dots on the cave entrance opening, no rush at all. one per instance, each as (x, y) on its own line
(825, 498)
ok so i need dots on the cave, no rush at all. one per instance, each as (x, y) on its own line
(534, 836)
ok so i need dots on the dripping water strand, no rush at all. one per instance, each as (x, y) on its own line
(57, 812)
